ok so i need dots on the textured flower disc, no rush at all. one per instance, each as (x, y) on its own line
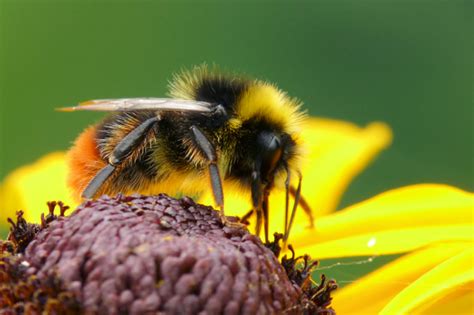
(137, 255)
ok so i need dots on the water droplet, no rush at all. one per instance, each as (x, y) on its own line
(372, 242)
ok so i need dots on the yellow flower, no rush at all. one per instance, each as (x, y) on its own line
(431, 225)
(29, 187)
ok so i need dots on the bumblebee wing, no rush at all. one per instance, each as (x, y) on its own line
(134, 104)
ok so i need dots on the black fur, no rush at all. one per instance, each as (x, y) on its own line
(223, 91)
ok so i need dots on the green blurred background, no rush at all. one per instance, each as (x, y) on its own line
(408, 63)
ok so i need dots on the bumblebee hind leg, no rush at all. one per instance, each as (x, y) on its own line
(97, 181)
(118, 155)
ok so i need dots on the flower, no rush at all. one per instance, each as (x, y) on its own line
(150, 254)
(430, 225)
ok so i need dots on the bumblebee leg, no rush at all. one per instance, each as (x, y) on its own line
(256, 189)
(118, 155)
(97, 181)
(131, 140)
(216, 183)
(287, 196)
(265, 213)
(244, 219)
(305, 206)
(293, 211)
(258, 226)
(210, 154)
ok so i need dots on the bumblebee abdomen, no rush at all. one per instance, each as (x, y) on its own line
(161, 163)
(84, 161)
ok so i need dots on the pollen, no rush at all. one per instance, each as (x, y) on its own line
(234, 123)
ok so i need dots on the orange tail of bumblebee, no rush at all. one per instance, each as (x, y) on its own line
(84, 161)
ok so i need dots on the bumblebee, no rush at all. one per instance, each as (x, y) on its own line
(222, 128)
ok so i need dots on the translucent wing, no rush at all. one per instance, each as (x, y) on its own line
(134, 104)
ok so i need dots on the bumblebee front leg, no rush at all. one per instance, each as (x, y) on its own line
(305, 206)
(260, 196)
(293, 211)
(207, 148)
(118, 155)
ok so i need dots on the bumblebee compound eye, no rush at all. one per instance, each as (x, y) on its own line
(270, 154)
(140, 255)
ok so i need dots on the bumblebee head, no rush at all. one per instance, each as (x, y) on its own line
(274, 150)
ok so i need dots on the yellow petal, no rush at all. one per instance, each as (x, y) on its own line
(335, 152)
(449, 276)
(460, 301)
(29, 187)
(395, 221)
(388, 242)
(369, 294)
